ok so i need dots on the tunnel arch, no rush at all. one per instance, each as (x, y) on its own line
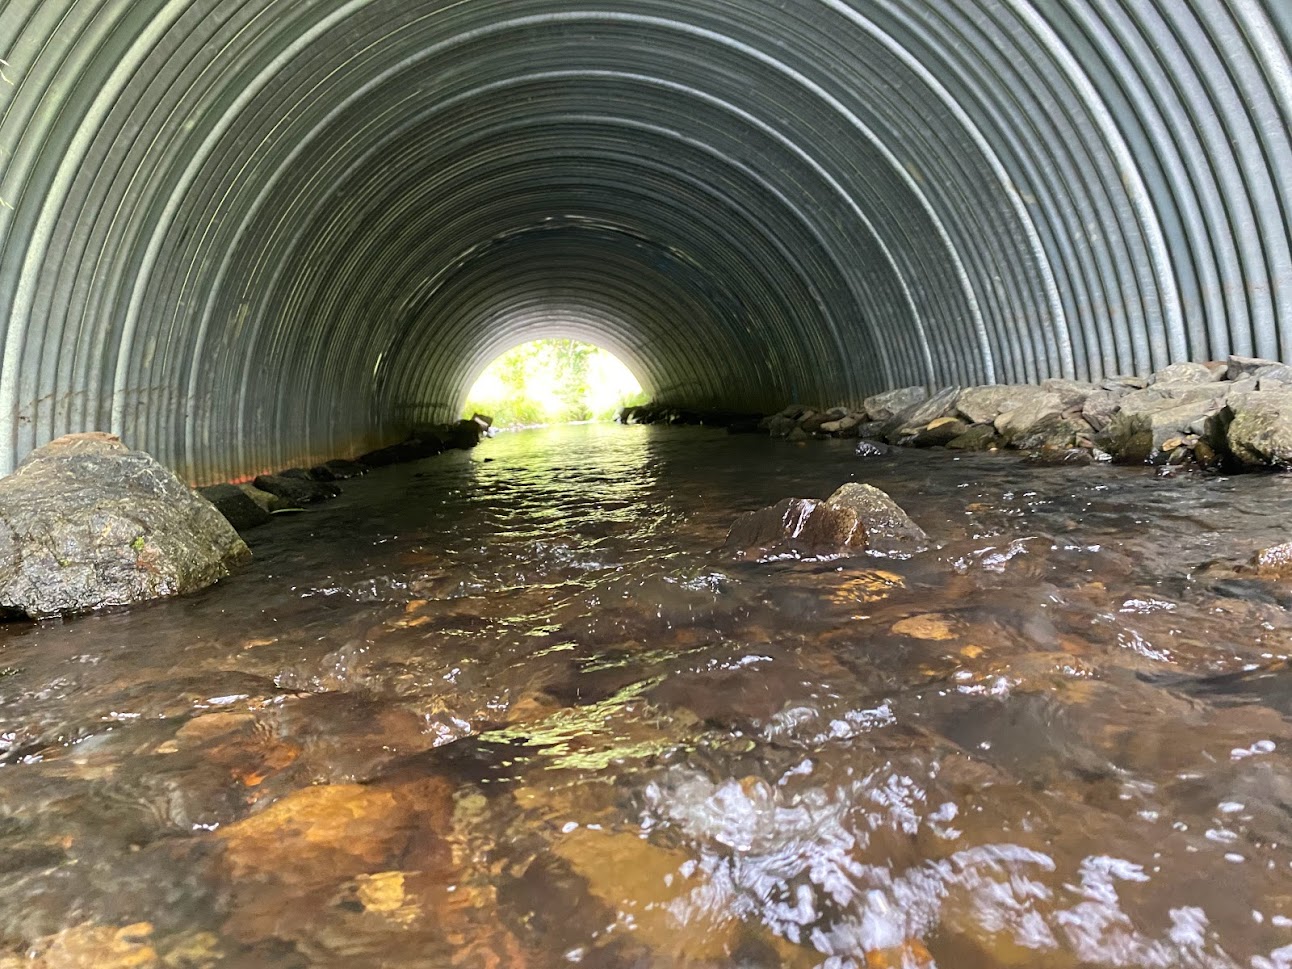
(247, 235)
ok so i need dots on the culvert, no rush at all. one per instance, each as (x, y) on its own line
(247, 234)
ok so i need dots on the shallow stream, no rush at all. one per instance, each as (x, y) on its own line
(511, 708)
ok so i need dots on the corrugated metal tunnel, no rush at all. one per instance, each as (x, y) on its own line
(252, 233)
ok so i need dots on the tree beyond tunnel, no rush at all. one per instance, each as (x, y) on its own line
(553, 381)
(257, 234)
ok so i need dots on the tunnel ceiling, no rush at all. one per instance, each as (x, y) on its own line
(251, 233)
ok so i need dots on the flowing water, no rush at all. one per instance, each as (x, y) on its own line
(514, 708)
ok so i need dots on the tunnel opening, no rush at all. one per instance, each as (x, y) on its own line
(553, 380)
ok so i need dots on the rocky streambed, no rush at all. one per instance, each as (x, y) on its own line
(536, 711)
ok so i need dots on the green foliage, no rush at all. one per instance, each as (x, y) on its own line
(553, 382)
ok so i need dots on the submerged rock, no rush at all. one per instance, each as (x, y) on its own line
(242, 511)
(855, 518)
(338, 470)
(888, 528)
(871, 449)
(297, 491)
(85, 523)
(1274, 563)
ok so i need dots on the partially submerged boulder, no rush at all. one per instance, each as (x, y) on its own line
(1261, 431)
(856, 518)
(296, 490)
(85, 523)
(241, 510)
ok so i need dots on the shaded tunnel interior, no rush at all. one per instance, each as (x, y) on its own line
(246, 234)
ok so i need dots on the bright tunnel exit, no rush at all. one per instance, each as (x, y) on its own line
(553, 381)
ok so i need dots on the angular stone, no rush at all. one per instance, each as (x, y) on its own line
(1239, 367)
(1164, 395)
(1017, 424)
(1145, 436)
(1186, 373)
(1073, 393)
(1261, 431)
(882, 407)
(940, 433)
(794, 526)
(1099, 408)
(982, 405)
(85, 522)
(264, 499)
(855, 518)
(1279, 372)
(1054, 432)
(980, 437)
(902, 428)
(297, 491)
(888, 528)
(841, 426)
(1121, 383)
(242, 511)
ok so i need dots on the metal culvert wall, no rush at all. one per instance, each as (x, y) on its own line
(252, 233)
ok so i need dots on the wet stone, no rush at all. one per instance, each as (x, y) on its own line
(905, 427)
(1261, 431)
(940, 432)
(85, 523)
(1274, 562)
(980, 437)
(297, 490)
(242, 511)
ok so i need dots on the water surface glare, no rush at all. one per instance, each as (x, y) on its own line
(512, 708)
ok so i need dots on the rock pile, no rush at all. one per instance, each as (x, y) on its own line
(1235, 413)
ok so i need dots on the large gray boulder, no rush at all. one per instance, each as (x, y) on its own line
(85, 523)
(982, 405)
(1261, 431)
(856, 518)
(882, 407)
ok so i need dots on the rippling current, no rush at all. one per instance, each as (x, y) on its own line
(513, 708)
